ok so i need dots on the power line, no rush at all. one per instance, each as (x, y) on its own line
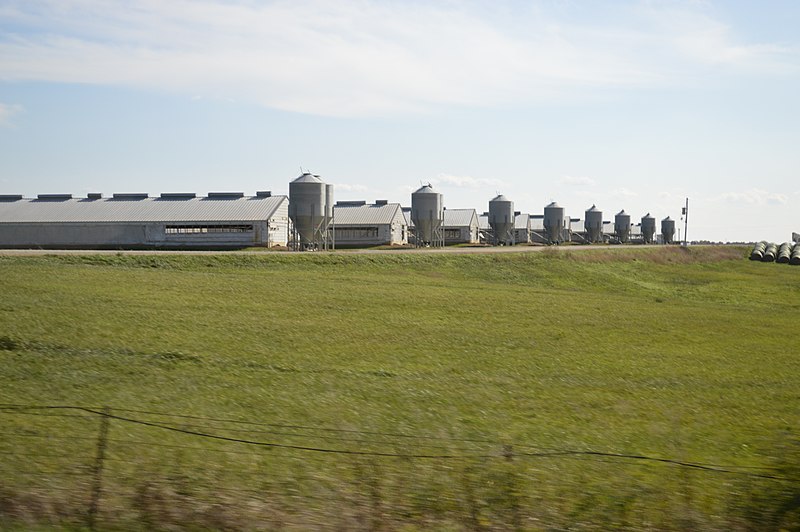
(541, 454)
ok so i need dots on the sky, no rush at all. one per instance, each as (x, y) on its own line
(633, 105)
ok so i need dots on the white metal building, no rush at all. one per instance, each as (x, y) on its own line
(460, 226)
(577, 230)
(522, 228)
(355, 223)
(219, 220)
(538, 235)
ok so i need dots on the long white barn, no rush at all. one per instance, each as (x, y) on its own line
(358, 224)
(219, 220)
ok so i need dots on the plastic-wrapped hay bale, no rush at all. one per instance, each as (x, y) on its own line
(758, 251)
(795, 258)
(784, 253)
(770, 253)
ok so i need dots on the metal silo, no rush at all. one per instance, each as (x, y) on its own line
(648, 228)
(308, 211)
(328, 205)
(427, 213)
(622, 226)
(668, 230)
(593, 224)
(554, 223)
(501, 220)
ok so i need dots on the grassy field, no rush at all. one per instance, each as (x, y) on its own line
(474, 387)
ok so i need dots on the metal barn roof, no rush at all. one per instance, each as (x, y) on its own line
(460, 217)
(367, 214)
(146, 209)
(537, 222)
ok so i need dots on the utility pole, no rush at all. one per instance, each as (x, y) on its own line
(685, 222)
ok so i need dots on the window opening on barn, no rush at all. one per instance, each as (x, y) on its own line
(206, 229)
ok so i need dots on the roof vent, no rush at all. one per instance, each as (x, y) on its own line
(178, 195)
(54, 197)
(225, 195)
(94, 195)
(264, 194)
(381, 202)
(132, 196)
(350, 203)
(10, 197)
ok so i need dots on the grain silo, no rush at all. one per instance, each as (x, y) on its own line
(554, 223)
(668, 230)
(501, 220)
(648, 228)
(309, 211)
(593, 224)
(622, 226)
(427, 213)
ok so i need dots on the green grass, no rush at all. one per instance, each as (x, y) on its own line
(673, 353)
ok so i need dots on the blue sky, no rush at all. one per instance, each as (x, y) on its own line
(631, 105)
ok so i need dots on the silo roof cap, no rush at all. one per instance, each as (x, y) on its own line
(593, 208)
(425, 189)
(500, 197)
(307, 178)
(647, 215)
(667, 219)
(553, 205)
(622, 213)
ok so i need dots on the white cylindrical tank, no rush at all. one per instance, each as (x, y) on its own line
(501, 219)
(622, 226)
(593, 224)
(307, 206)
(328, 204)
(668, 230)
(648, 228)
(554, 223)
(427, 213)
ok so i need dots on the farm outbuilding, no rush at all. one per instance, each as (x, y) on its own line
(356, 223)
(522, 228)
(180, 220)
(538, 235)
(461, 226)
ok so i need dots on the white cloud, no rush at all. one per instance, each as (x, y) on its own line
(8, 111)
(467, 181)
(624, 192)
(755, 196)
(357, 57)
(578, 181)
(700, 38)
(346, 187)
